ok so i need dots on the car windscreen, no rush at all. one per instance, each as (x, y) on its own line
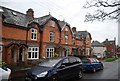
(85, 60)
(49, 63)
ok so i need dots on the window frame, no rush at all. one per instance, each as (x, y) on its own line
(66, 39)
(52, 36)
(33, 53)
(34, 34)
(50, 52)
(52, 23)
(66, 28)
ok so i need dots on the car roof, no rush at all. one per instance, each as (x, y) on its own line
(62, 57)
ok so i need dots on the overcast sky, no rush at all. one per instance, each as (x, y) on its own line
(71, 11)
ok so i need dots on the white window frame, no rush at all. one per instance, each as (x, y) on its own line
(66, 39)
(34, 34)
(73, 40)
(49, 52)
(66, 28)
(52, 23)
(33, 51)
(52, 35)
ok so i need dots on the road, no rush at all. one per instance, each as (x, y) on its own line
(110, 73)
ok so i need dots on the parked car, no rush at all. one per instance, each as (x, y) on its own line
(55, 69)
(4, 74)
(92, 64)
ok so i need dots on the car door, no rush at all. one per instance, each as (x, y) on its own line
(74, 66)
(63, 69)
(98, 64)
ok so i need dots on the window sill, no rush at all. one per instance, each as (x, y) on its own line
(32, 58)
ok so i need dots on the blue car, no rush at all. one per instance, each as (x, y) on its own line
(92, 64)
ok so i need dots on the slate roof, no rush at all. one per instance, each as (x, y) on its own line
(21, 19)
(84, 33)
(42, 20)
(97, 44)
(14, 17)
(78, 36)
(109, 42)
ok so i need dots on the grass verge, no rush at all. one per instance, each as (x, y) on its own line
(111, 59)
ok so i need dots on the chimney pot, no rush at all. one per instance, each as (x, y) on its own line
(30, 14)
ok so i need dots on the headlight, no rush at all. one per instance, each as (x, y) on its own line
(43, 74)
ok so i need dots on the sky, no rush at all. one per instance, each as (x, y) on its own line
(71, 11)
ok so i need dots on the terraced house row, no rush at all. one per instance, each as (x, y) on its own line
(26, 38)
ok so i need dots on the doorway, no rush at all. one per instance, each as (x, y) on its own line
(22, 54)
(14, 54)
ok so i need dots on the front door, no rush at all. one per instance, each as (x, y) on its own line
(22, 53)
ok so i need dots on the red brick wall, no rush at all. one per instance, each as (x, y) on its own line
(13, 33)
(46, 33)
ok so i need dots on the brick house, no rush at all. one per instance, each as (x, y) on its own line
(111, 47)
(83, 39)
(26, 38)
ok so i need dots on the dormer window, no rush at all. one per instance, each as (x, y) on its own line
(14, 13)
(52, 23)
(34, 34)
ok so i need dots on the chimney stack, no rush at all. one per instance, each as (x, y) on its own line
(30, 14)
(74, 29)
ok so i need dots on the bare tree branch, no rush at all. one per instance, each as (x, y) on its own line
(101, 15)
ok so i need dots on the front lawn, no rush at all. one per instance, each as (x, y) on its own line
(111, 59)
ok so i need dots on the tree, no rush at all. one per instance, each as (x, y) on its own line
(104, 9)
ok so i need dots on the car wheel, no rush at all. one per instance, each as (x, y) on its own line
(94, 70)
(54, 78)
(80, 74)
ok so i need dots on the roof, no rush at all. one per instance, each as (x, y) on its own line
(84, 33)
(14, 17)
(107, 42)
(21, 19)
(78, 36)
(97, 44)
(42, 20)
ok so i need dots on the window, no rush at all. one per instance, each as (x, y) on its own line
(66, 29)
(34, 34)
(72, 60)
(49, 52)
(52, 23)
(51, 36)
(33, 52)
(66, 39)
(73, 40)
